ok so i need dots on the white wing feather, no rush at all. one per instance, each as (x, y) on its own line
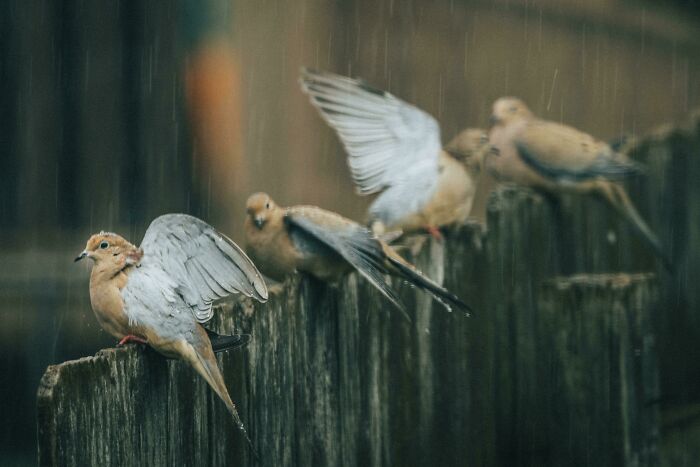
(203, 264)
(388, 141)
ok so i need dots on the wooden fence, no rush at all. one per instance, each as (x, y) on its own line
(545, 371)
(565, 361)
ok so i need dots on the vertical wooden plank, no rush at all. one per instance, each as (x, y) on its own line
(598, 375)
(669, 197)
(522, 248)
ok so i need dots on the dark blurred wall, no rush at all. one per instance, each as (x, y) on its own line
(96, 105)
(92, 92)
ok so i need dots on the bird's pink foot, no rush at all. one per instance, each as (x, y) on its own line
(434, 232)
(131, 338)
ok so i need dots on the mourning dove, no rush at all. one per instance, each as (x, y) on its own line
(394, 148)
(557, 158)
(160, 293)
(326, 245)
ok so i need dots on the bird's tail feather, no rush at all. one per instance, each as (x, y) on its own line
(407, 271)
(619, 199)
(205, 364)
(220, 342)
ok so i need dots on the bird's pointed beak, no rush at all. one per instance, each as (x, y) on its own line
(493, 120)
(80, 256)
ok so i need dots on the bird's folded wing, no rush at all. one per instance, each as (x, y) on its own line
(564, 153)
(387, 140)
(204, 264)
(351, 241)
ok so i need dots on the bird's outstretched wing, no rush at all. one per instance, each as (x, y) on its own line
(351, 241)
(563, 153)
(388, 141)
(204, 264)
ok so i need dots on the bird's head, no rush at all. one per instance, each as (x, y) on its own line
(259, 209)
(106, 247)
(507, 110)
(469, 147)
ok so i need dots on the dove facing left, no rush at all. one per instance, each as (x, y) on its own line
(161, 292)
(557, 158)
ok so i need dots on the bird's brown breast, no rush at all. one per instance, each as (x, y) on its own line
(453, 198)
(451, 202)
(271, 249)
(107, 302)
(505, 165)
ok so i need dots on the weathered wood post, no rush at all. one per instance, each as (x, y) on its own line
(671, 195)
(597, 371)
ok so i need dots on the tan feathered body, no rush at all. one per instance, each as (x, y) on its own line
(271, 248)
(394, 149)
(451, 203)
(107, 279)
(107, 302)
(327, 246)
(505, 165)
(276, 254)
(160, 293)
(557, 158)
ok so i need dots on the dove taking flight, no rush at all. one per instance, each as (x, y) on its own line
(558, 158)
(394, 148)
(326, 245)
(160, 293)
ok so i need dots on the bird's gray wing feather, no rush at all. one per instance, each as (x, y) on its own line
(388, 141)
(204, 264)
(151, 300)
(563, 153)
(351, 241)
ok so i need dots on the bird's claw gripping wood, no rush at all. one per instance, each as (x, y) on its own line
(435, 232)
(131, 338)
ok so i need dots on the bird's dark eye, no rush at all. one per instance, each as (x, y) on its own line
(267, 205)
(104, 245)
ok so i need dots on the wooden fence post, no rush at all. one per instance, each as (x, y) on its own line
(597, 370)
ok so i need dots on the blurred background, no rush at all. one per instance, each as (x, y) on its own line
(113, 112)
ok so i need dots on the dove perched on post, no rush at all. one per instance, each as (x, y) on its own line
(557, 158)
(326, 245)
(394, 148)
(160, 293)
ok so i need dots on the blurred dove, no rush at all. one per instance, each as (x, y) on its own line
(159, 293)
(555, 158)
(327, 245)
(394, 148)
